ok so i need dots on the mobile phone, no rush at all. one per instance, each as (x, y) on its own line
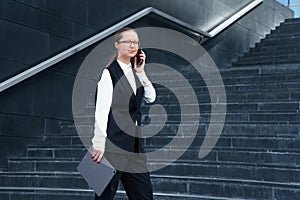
(139, 61)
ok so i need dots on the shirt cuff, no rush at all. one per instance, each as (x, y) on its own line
(143, 78)
(99, 142)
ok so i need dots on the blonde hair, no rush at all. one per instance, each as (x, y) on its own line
(117, 37)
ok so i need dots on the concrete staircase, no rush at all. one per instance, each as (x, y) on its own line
(256, 157)
(281, 46)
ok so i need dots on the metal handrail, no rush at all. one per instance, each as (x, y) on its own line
(69, 52)
(235, 17)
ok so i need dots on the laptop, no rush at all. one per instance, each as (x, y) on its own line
(97, 175)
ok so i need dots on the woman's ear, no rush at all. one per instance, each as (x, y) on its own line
(116, 45)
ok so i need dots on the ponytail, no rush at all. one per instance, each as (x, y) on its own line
(112, 59)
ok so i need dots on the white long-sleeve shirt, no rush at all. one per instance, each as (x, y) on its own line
(104, 100)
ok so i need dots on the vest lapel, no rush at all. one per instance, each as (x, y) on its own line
(123, 80)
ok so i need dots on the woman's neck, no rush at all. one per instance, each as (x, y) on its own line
(124, 60)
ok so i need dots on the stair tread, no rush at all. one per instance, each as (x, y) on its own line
(90, 193)
(59, 175)
(187, 163)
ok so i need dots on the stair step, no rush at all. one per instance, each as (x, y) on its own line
(277, 45)
(280, 140)
(230, 171)
(180, 162)
(236, 129)
(287, 27)
(42, 165)
(287, 144)
(233, 88)
(262, 53)
(56, 152)
(295, 36)
(229, 188)
(261, 129)
(45, 180)
(275, 69)
(235, 141)
(244, 72)
(236, 154)
(190, 75)
(269, 57)
(262, 97)
(65, 140)
(37, 193)
(274, 35)
(266, 62)
(259, 157)
(241, 74)
(269, 49)
(276, 50)
(292, 20)
(257, 78)
(80, 194)
(260, 117)
(236, 96)
(264, 93)
(280, 41)
(227, 163)
(230, 81)
(232, 97)
(162, 184)
(230, 87)
(229, 130)
(190, 118)
(239, 155)
(171, 108)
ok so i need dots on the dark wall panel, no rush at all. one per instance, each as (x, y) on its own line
(57, 45)
(133, 5)
(54, 126)
(21, 126)
(1, 8)
(9, 69)
(80, 10)
(18, 100)
(22, 44)
(73, 10)
(44, 21)
(47, 95)
(101, 15)
(53, 97)
(27, 46)
(35, 19)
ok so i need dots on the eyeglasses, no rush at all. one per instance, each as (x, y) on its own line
(129, 43)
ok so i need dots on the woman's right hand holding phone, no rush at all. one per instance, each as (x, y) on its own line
(142, 56)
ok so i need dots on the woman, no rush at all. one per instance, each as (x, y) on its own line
(122, 88)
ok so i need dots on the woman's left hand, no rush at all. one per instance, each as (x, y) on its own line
(140, 68)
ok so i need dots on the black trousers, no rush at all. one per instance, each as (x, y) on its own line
(137, 186)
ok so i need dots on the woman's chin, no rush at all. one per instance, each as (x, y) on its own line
(131, 55)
